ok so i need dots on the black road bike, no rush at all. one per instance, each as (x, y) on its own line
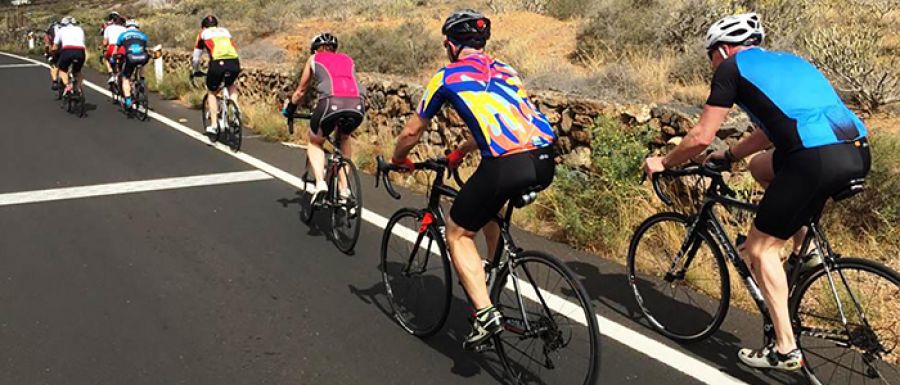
(344, 197)
(550, 331)
(73, 101)
(844, 310)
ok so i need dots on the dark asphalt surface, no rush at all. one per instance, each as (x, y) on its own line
(224, 284)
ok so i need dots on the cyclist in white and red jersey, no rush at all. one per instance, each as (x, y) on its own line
(69, 41)
(110, 37)
(339, 92)
(110, 20)
(224, 65)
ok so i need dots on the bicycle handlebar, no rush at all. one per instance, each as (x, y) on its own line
(434, 164)
(297, 115)
(711, 170)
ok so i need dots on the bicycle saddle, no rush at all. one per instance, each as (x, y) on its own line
(345, 120)
(855, 186)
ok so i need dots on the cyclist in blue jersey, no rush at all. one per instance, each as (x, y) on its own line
(132, 48)
(819, 147)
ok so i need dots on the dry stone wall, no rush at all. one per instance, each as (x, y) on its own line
(391, 101)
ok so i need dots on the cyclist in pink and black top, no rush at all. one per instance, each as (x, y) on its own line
(339, 92)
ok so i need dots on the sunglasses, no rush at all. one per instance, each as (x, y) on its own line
(710, 52)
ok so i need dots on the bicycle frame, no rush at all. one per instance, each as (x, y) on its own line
(718, 193)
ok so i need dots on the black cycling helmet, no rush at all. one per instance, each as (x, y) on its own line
(321, 39)
(209, 21)
(113, 16)
(467, 28)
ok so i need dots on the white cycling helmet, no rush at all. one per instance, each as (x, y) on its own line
(132, 23)
(66, 20)
(737, 29)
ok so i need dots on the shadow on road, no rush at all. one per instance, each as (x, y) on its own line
(448, 340)
(612, 291)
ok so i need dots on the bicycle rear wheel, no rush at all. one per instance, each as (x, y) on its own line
(80, 107)
(864, 349)
(416, 274)
(685, 300)
(550, 329)
(141, 101)
(234, 129)
(346, 215)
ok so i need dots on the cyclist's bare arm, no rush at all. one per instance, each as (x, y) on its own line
(410, 135)
(699, 137)
(195, 59)
(305, 79)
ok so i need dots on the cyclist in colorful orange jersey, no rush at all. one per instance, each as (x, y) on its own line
(224, 65)
(515, 141)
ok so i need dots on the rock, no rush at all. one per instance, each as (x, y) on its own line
(669, 130)
(584, 120)
(579, 157)
(718, 145)
(435, 138)
(552, 100)
(566, 121)
(636, 115)
(552, 116)
(453, 117)
(395, 105)
(564, 145)
(675, 140)
(581, 137)
(654, 124)
(727, 131)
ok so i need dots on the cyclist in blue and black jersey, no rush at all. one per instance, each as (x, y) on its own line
(132, 48)
(819, 147)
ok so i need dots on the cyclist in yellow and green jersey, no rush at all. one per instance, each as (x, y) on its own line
(224, 65)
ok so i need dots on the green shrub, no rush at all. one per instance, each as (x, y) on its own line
(173, 85)
(597, 209)
(405, 50)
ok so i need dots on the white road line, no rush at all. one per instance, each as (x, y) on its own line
(19, 198)
(2, 66)
(674, 358)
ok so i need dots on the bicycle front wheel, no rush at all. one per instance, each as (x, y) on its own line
(550, 330)
(680, 281)
(346, 215)
(416, 273)
(849, 323)
(206, 119)
(234, 130)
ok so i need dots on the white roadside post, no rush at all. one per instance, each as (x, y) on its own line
(30, 40)
(158, 63)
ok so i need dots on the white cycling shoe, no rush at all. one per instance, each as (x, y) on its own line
(318, 191)
(769, 358)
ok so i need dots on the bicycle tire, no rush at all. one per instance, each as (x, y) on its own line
(205, 118)
(427, 322)
(541, 325)
(59, 89)
(80, 106)
(141, 101)
(646, 287)
(235, 126)
(826, 361)
(350, 212)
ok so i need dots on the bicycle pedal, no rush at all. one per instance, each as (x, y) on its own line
(486, 346)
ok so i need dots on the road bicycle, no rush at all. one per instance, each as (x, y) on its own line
(229, 129)
(550, 333)
(73, 101)
(844, 310)
(344, 197)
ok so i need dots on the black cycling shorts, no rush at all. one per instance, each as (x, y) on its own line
(131, 65)
(71, 57)
(222, 73)
(53, 58)
(329, 107)
(497, 180)
(804, 180)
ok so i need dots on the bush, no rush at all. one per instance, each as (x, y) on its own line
(598, 208)
(405, 50)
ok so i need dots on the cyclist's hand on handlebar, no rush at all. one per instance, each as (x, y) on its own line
(455, 158)
(653, 165)
(404, 164)
(289, 109)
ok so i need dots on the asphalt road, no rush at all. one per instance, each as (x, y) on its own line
(220, 282)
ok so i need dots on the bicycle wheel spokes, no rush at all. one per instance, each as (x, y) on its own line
(550, 331)
(680, 284)
(416, 275)
(866, 348)
(142, 102)
(346, 215)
